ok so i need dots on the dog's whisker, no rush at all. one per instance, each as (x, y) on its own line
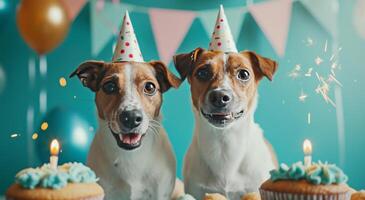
(156, 123)
(153, 130)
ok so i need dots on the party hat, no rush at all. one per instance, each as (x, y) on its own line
(127, 48)
(222, 39)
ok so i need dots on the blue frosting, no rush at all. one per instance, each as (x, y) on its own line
(55, 179)
(79, 173)
(30, 178)
(317, 173)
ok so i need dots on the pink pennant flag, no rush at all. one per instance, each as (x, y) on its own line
(273, 17)
(169, 28)
(73, 7)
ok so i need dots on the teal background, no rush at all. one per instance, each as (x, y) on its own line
(281, 115)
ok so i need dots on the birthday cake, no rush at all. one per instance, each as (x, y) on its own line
(69, 181)
(318, 181)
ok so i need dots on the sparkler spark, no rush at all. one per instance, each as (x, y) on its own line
(318, 60)
(309, 118)
(332, 57)
(332, 78)
(309, 42)
(295, 72)
(326, 80)
(309, 72)
(302, 96)
(325, 46)
(333, 72)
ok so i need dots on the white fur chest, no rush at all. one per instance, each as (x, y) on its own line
(233, 161)
(223, 149)
(134, 175)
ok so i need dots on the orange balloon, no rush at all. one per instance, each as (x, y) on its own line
(43, 24)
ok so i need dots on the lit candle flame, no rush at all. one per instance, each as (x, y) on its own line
(55, 147)
(307, 147)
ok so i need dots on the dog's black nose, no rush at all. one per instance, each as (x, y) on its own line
(131, 118)
(220, 98)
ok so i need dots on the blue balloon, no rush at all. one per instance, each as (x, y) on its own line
(71, 130)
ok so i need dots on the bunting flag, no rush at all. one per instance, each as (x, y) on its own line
(235, 17)
(273, 17)
(358, 18)
(73, 7)
(169, 28)
(325, 12)
(207, 19)
(105, 23)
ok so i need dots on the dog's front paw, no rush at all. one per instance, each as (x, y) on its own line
(186, 197)
(358, 195)
(251, 196)
(214, 196)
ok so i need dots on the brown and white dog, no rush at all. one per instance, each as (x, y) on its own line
(131, 152)
(228, 154)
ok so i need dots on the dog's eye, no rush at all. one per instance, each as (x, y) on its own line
(204, 73)
(149, 88)
(243, 75)
(110, 87)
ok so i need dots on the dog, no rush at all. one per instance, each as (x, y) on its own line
(131, 153)
(228, 154)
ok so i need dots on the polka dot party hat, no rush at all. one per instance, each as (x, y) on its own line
(222, 39)
(127, 48)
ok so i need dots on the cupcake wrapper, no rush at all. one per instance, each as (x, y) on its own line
(270, 195)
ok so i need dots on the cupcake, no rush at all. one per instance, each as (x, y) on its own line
(71, 181)
(186, 197)
(316, 182)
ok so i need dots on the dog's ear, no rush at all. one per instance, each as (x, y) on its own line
(262, 66)
(89, 74)
(165, 78)
(184, 62)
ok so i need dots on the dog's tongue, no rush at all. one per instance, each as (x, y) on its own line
(131, 138)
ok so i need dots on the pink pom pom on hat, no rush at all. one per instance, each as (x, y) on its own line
(222, 39)
(127, 48)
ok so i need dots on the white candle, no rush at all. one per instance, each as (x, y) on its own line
(53, 160)
(307, 149)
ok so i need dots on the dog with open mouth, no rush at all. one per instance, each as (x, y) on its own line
(229, 154)
(131, 153)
